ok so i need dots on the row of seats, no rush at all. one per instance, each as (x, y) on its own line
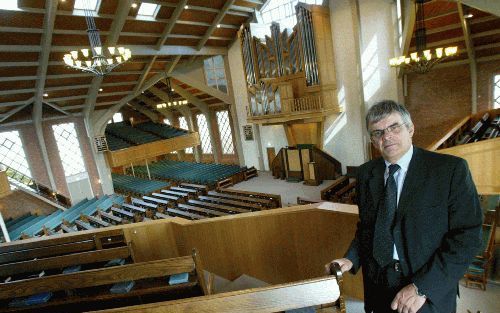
(134, 185)
(197, 173)
(34, 226)
(122, 135)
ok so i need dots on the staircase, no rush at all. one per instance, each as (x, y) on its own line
(20, 181)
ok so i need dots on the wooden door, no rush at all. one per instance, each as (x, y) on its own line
(271, 154)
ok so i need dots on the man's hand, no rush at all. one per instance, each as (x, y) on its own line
(345, 265)
(407, 300)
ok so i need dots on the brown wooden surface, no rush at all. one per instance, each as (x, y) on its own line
(222, 207)
(232, 202)
(201, 210)
(276, 198)
(265, 202)
(97, 277)
(189, 215)
(263, 300)
(63, 261)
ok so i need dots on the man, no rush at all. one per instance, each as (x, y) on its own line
(419, 220)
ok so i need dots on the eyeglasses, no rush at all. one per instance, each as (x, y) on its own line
(393, 129)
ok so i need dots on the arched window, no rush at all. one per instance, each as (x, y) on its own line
(206, 144)
(69, 149)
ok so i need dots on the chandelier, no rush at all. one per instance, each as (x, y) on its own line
(423, 59)
(171, 94)
(98, 60)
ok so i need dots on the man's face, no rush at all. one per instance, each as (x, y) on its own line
(391, 137)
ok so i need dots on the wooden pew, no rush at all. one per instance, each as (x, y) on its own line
(219, 207)
(168, 197)
(63, 245)
(144, 204)
(110, 218)
(202, 188)
(184, 214)
(150, 277)
(157, 201)
(262, 202)
(325, 294)
(175, 193)
(94, 221)
(201, 210)
(122, 213)
(329, 192)
(273, 197)
(249, 206)
(185, 189)
(81, 225)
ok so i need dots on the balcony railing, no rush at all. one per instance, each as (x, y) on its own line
(299, 105)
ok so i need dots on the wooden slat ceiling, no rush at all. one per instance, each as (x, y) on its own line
(21, 37)
(444, 29)
(22, 32)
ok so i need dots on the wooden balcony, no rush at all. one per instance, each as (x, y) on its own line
(309, 108)
(151, 150)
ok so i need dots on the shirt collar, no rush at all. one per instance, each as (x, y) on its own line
(403, 162)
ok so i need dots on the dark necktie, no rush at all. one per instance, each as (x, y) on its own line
(383, 243)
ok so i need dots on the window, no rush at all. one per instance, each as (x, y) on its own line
(82, 4)
(400, 22)
(215, 73)
(148, 9)
(226, 137)
(9, 5)
(69, 149)
(12, 153)
(117, 117)
(496, 92)
(283, 12)
(206, 144)
(184, 125)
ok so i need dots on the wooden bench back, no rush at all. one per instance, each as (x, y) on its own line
(63, 245)
(276, 298)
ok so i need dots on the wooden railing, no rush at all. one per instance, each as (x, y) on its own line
(309, 103)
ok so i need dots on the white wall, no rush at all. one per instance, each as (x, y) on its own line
(272, 136)
(250, 148)
(363, 41)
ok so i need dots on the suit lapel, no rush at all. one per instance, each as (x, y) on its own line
(376, 182)
(414, 180)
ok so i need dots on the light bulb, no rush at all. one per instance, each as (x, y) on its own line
(121, 50)
(98, 50)
(88, 63)
(427, 54)
(119, 59)
(110, 61)
(111, 50)
(85, 52)
(450, 51)
(439, 53)
(78, 63)
(413, 56)
(74, 54)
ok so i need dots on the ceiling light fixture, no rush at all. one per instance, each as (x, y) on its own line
(423, 59)
(134, 5)
(97, 59)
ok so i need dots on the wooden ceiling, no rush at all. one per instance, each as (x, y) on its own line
(478, 41)
(34, 39)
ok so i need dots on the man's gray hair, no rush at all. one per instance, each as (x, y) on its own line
(384, 108)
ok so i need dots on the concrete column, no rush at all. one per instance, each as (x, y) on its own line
(43, 149)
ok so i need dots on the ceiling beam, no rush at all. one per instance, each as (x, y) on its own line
(166, 32)
(490, 6)
(13, 111)
(189, 97)
(57, 108)
(43, 58)
(145, 111)
(227, 5)
(135, 49)
(203, 87)
(85, 96)
(471, 56)
(120, 16)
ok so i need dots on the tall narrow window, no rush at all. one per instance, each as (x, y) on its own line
(12, 153)
(399, 13)
(206, 144)
(215, 73)
(117, 117)
(69, 149)
(283, 11)
(496, 92)
(184, 125)
(226, 137)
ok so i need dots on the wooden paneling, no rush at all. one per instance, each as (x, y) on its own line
(483, 158)
(4, 185)
(151, 150)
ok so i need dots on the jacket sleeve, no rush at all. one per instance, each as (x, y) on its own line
(353, 252)
(461, 242)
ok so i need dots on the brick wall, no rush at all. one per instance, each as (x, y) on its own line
(438, 99)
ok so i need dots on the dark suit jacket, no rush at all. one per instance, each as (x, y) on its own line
(437, 228)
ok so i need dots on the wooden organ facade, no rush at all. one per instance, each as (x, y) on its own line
(291, 76)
